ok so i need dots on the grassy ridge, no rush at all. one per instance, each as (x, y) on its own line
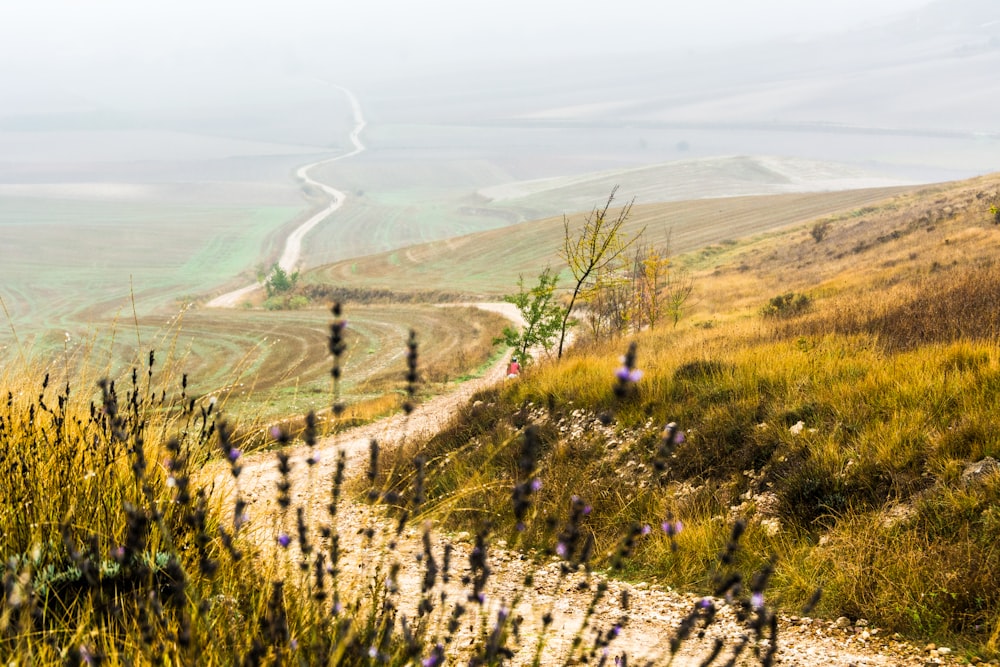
(857, 437)
(488, 263)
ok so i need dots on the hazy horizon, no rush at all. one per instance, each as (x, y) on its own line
(62, 55)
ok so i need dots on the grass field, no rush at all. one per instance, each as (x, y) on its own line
(65, 263)
(489, 263)
(392, 204)
(263, 366)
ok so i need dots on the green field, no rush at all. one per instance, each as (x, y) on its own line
(69, 263)
(448, 211)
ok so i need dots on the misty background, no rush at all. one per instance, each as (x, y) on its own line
(126, 127)
(255, 72)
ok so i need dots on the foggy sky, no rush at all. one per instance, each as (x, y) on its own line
(68, 54)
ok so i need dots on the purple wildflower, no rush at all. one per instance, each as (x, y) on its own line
(234, 454)
(536, 484)
(646, 530)
(561, 549)
(587, 509)
(672, 528)
(626, 374)
(284, 540)
(275, 432)
(757, 600)
(679, 437)
(436, 657)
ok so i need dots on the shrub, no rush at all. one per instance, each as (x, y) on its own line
(820, 230)
(786, 305)
(277, 280)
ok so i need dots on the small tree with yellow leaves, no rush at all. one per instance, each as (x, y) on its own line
(592, 249)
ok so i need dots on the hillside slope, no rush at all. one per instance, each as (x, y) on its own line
(488, 263)
(856, 437)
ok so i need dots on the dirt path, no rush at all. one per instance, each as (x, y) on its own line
(293, 244)
(654, 612)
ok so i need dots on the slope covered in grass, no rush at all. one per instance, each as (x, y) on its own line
(857, 436)
(488, 263)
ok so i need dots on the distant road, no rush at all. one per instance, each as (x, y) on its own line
(293, 244)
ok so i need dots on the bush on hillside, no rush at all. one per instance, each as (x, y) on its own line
(786, 305)
(277, 280)
(820, 230)
(286, 302)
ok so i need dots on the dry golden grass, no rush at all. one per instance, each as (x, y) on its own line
(893, 373)
(865, 253)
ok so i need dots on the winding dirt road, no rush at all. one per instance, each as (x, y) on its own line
(654, 613)
(293, 244)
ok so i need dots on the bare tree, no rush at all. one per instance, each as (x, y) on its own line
(680, 285)
(592, 248)
(610, 300)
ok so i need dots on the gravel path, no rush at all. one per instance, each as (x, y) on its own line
(654, 613)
